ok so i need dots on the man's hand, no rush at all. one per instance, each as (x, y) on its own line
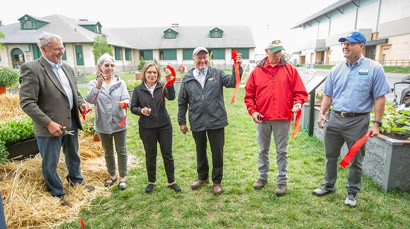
(321, 120)
(84, 107)
(184, 129)
(55, 128)
(296, 107)
(239, 58)
(257, 117)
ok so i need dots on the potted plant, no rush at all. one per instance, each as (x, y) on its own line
(17, 139)
(8, 78)
(131, 84)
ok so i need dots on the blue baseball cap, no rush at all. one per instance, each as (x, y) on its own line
(354, 37)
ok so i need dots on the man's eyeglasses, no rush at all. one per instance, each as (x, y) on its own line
(109, 65)
(56, 49)
(348, 44)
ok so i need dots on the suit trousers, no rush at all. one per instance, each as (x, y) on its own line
(216, 141)
(150, 137)
(280, 130)
(342, 130)
(50, 148)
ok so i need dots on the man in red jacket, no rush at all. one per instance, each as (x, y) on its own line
(273, 89)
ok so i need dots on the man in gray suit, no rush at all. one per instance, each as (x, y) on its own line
(49, 95)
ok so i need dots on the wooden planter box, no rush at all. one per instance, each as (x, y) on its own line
(22, 150)
(387, 159)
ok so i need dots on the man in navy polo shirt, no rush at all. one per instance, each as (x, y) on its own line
(353, 88)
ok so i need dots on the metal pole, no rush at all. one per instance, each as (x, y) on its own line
(312, 111)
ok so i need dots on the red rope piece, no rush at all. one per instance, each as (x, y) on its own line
(123, 106)
(82, 223)
(234, 54)
(296, 124)
(353, 151)
(84, 112)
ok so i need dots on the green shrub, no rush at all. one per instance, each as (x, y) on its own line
(131, 84)
(13, 131)
(8, 77)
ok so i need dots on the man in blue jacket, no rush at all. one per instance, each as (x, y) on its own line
(202, 94)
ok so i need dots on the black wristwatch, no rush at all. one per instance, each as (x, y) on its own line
(378, 122)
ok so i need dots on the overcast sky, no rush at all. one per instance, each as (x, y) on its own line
(269, 19)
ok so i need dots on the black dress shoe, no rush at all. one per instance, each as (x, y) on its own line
(174, 187)
(149, 188)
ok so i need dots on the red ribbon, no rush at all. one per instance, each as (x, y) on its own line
(353, 151)
(170, 82)
(296, 124)
(82, 223)
(84, 112)
(123, 106)
(234, 54)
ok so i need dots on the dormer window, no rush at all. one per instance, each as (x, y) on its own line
(170, 34)
(89, 25)
(216, 33)
(28, 22)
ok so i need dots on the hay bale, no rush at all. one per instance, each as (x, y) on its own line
(10, 107)
(28, 204)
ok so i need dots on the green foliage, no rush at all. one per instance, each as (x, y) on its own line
(394, 121)
(8, 77)
(88, 125)
(101, 46)
(390, 69)
(2, 36)
(13, 131)
(141, 64)
(131, 84)
(397, 69)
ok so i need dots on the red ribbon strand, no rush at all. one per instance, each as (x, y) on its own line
(123, 106)
(170, 82)
(296, 124)
(353, 151)
(84, 112)
(234, 54)
(82, 223)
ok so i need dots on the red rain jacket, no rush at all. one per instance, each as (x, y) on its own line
(274, 95)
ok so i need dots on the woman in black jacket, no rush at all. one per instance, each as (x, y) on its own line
(148, 101)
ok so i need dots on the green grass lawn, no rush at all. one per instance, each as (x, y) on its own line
(240, 206)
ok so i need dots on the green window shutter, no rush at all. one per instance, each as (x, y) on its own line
(146, 55)
(218, 54)
(187, 54)
(127, 54)
(36, 52)
(79, 55)
(244, 52)
(168, 54)
(118, 55)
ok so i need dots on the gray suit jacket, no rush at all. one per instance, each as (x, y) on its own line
(43, 97)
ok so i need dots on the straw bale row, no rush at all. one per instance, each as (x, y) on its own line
(10, 107)
(28, 204)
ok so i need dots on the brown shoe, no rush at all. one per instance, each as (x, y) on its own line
(198, 183)
(259, 184)
(217, 189)
(280, 189)
(64, 202)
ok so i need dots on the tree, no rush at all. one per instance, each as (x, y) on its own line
(2, 36)
(101, 46)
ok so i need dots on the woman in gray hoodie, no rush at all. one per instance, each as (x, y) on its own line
(110, 97)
